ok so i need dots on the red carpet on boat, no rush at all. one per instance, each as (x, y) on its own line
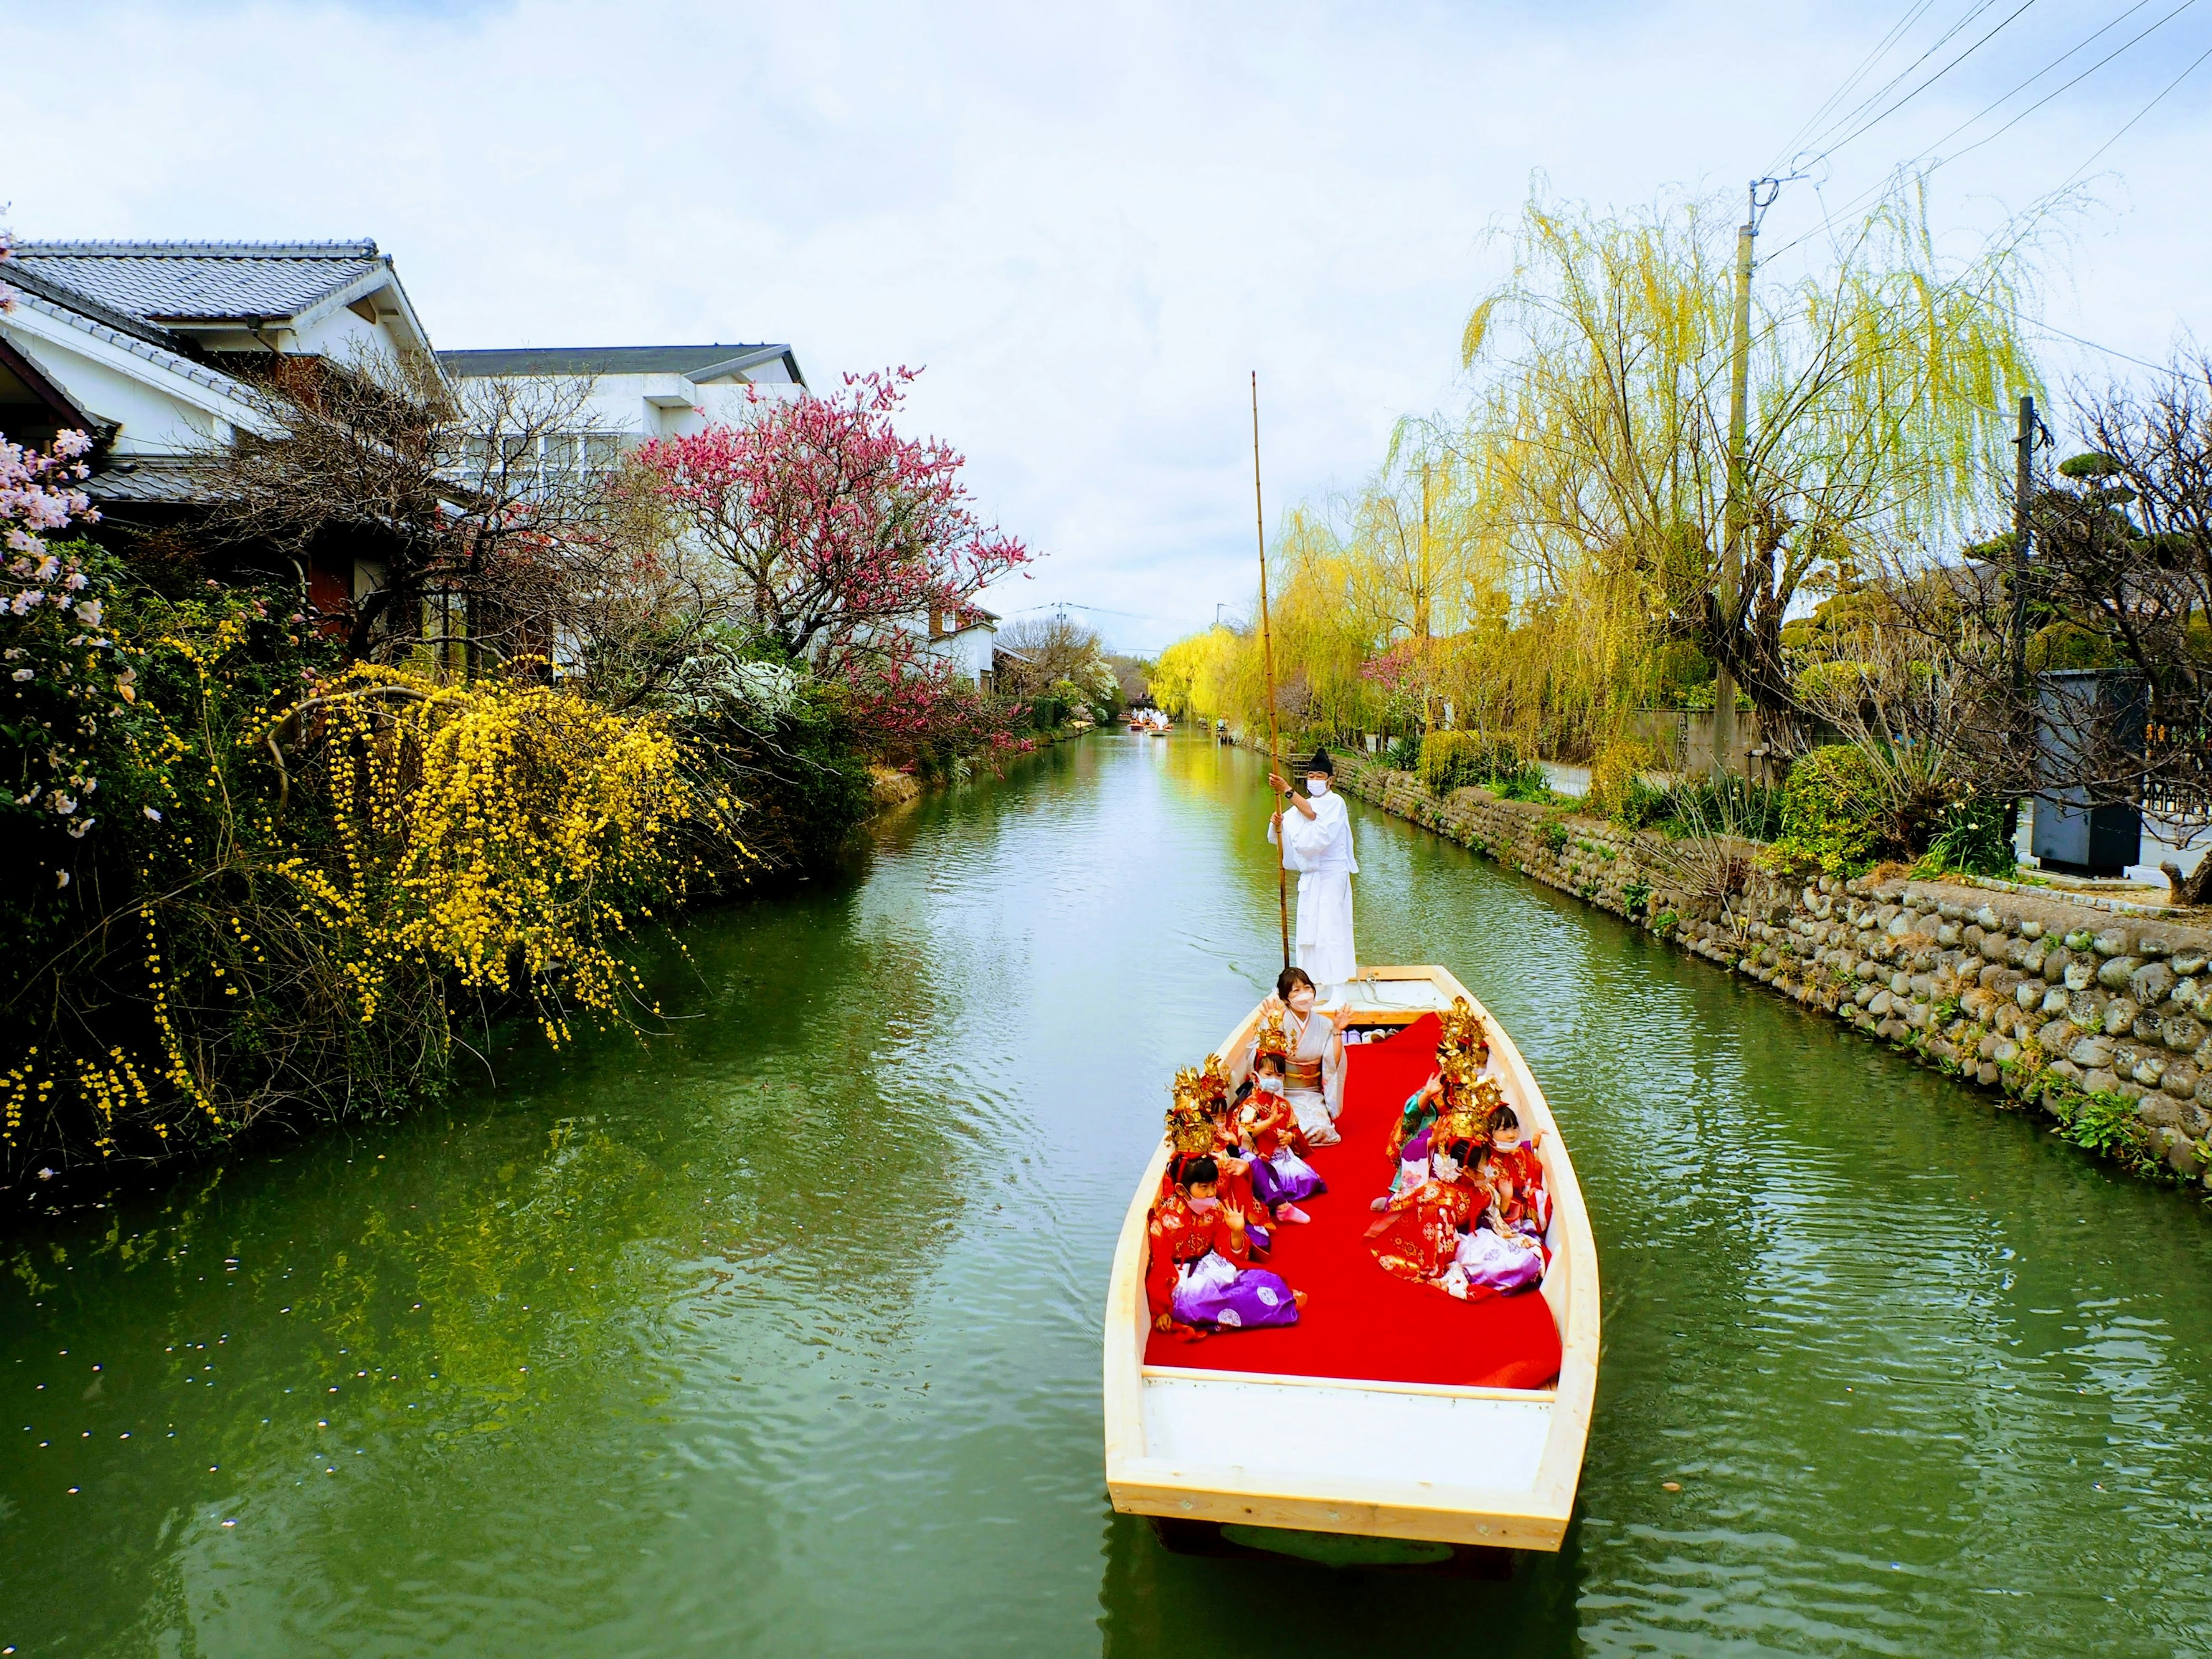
(1360, 1321)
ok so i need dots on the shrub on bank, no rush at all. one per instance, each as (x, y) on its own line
(1459, 760)
(1974, 838)
(267, 882)
(1833, 809)
(1452, 760)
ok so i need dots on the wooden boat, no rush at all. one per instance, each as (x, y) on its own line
(1231, 1442)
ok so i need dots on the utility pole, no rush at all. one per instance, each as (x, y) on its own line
(1736, 513)
(1421, 599)
(1268, 662)
(2025, 444)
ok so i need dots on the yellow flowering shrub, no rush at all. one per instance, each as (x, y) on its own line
(503, 835)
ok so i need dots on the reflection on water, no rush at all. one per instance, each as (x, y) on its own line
(780, 1334)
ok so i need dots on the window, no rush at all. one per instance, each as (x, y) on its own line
(525, 460)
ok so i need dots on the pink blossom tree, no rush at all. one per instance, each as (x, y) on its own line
(843, 539)
(50, 618)
(37, 494)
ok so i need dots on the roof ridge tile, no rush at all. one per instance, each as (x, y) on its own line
(357, 248)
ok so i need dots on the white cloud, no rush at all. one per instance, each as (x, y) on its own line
(1088, 224)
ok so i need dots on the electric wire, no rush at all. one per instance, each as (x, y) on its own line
(1995, 104)
(1869, 124)
(2076, 81)
(2194, 64)
(1890, 85)
(1790, 146)
(1885, 182)
(2110, 351)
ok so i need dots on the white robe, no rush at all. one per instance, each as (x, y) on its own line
(1319, 848)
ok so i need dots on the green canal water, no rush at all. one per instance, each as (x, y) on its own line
(778, 1334)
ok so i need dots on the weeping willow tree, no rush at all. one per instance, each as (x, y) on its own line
(1548, 558)
(1597, 439)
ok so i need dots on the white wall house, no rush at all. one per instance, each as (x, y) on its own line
(968, 641)
(144, 344)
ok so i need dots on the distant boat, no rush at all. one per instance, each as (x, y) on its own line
(1392, 1426)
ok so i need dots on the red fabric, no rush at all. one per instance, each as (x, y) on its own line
(1359, 1320)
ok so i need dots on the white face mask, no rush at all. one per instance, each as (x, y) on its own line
(1266, 1083)
(1301, 1001)
(1316, 787)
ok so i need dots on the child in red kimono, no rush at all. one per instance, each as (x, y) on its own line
(1455, 1085)
(1503, 1251)
(1516, 1162)
(1207, 1091)
(1268, 1127)
(1419, 1232)
(1198, 1276)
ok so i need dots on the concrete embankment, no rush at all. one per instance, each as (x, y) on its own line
(2097, 1019)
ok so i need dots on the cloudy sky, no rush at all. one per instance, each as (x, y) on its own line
(1088, 223)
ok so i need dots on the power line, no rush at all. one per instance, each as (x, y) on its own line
(2138, 116)
(2076, 81)
(1874, 121)
(2109, 351)
(1990, 107)
(1890, 85)
(1790, 146)
(1070, 604)
(1828, 214)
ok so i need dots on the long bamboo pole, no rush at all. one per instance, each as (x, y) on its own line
(1267, 662)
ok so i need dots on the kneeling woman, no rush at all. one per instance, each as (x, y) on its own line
(1200, 1273)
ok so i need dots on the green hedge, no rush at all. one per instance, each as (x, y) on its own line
(1833, 810)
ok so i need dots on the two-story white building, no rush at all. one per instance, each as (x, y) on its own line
(634, 394)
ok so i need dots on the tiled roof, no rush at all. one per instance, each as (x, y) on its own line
(139, 341)
(162, 479)
(614, 360)
(199, 282)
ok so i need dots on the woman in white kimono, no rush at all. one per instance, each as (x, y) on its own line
(1313, 1067)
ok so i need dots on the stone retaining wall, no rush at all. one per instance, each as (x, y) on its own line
(2103, 1022)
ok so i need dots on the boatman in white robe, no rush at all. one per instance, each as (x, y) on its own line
(1318, 847)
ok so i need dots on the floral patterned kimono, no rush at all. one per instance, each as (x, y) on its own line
(1505, 1251)
(1235, 1186)
(1420, 1233)
(1410, 1140)
(1533, 1202)
(1200, 1272)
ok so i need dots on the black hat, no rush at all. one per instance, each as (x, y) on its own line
(1321, 762)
